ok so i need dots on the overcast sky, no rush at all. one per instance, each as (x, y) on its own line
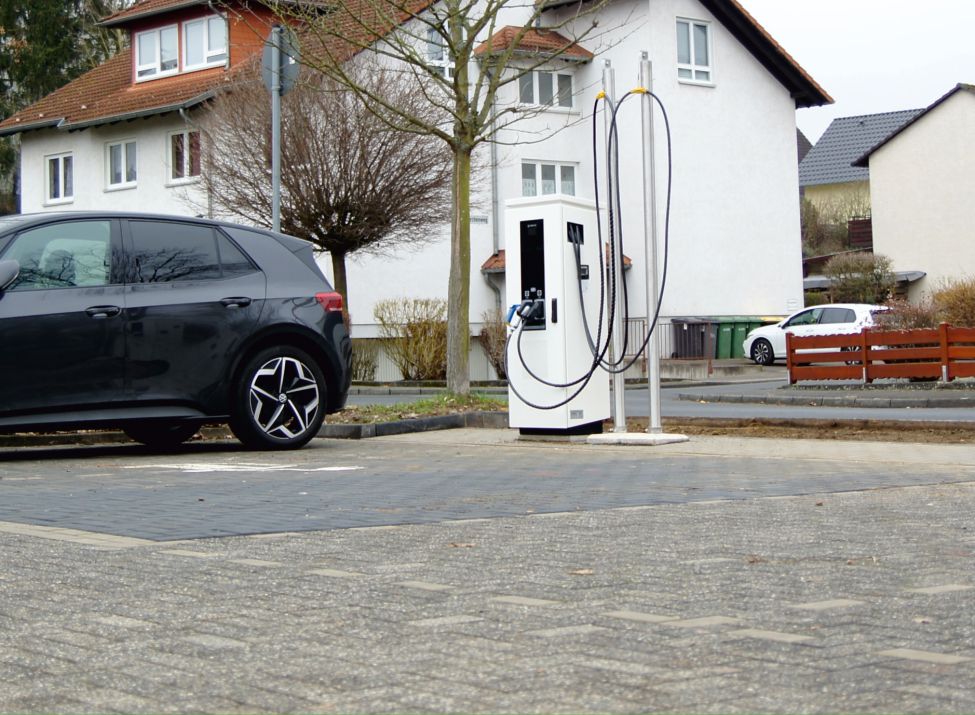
(873, 55)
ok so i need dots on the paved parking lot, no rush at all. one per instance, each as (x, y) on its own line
(478, 575)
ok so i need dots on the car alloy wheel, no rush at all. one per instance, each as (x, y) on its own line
(284, 397)
(762, 352)
(280, 400)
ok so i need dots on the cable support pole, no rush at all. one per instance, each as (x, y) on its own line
(650, 227)
(616, 264)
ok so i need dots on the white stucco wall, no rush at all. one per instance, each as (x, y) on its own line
(921, 189)
(154, 191)
(734, 241)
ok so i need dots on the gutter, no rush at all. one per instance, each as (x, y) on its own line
(17, 129)
(178, 107)
(63, 124)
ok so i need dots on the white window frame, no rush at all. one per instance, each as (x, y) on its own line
(156, 62)
(212, 57)
(187, 177)
(559, 165)
(536, 82)
(438, 58)
(125, 183)
(693, 68)
(64, 186)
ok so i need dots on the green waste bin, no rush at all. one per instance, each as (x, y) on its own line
(742, 326)
(726, 331)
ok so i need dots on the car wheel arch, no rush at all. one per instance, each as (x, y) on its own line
(287, 336)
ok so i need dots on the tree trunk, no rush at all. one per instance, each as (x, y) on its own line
(459, 287)
(341, 281)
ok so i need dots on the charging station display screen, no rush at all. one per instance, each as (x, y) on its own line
(533, 269)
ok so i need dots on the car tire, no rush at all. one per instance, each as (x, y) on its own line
(161, 434)
(762, 352)
(279, 399)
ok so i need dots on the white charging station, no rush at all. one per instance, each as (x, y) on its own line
(540, 266)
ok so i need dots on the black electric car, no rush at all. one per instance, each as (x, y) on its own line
(160, 324)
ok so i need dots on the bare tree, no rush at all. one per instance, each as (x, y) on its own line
(349, 182)
(459, 55)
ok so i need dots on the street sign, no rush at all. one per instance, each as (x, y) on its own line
(288, 63)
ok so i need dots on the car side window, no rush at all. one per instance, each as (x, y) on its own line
(233, 262)
(838, 315)
(69, 254)
(806, 317)
(169, 251)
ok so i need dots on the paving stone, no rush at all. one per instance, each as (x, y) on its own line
(828, 604)
(523, 601)
(946, 588)
(639, 616)
(585, 629)
(702, 622)
(425, 586)
(925, 656)
(769, 635)
(84, 630)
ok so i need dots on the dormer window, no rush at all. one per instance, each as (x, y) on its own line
(157, 53)
(204, 42)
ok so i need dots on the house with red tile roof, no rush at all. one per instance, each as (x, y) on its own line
(122, 137)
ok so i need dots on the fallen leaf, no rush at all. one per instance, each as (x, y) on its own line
(819, 503)
(461, 545)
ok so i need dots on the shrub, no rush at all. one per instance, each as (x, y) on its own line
(414, 334)
(493, 337)
(955, 302)
(908, 316)
(815, 297)
(859, 278)
(365, 357)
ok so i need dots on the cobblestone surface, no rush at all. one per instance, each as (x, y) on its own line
(842, 584)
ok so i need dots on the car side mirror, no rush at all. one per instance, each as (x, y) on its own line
(9, 270)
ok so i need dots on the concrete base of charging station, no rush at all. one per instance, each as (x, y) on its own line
(636, 439)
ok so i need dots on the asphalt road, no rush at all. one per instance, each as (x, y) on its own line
(638, 401)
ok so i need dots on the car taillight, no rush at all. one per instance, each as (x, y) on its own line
(329, 301)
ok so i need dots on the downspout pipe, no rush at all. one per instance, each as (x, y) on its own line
(495, 207)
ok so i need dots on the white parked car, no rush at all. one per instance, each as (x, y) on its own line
(765, 345)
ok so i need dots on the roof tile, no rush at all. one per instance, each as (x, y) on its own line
(107, 94)
(844, 141)
(535, 42)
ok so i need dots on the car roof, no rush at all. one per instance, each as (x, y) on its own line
(17, 222)
(854, 306)
(21, 220)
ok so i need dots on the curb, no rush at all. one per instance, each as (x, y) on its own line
(492, 420)
(834, 400)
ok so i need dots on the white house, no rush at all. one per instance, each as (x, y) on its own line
(120, 137)
(921, 180)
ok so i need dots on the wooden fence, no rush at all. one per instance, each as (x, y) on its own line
(941, 353)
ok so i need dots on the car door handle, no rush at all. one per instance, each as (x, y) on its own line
(239, 302)
(100, 312)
